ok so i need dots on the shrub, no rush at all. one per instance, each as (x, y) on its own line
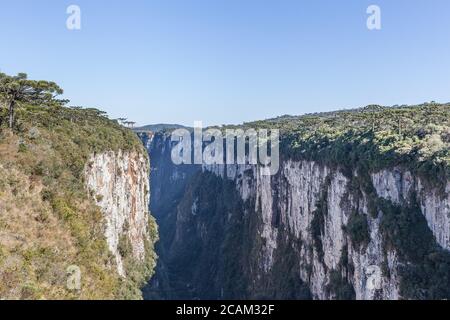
(124, 246)
(425, 273)
(358, 230)
(339, 287)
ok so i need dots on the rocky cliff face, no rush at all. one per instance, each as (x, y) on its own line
(397, 184)
(119, 183)
(311, 231)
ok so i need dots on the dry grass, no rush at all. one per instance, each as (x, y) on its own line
(47, 220)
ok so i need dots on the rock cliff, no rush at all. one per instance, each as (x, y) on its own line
(120, 185)
(311, 231)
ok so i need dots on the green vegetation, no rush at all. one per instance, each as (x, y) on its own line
(371, 138)
(318, 221)
(138, 272)
(18, 90)
(358, 230)
(425, 273)
(285, 281)
(48, 221)
(339, 287)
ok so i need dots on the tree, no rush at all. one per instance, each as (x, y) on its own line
(129, 124)
(122, 120)
(17, 90)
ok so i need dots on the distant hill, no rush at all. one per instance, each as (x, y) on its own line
(159, 127)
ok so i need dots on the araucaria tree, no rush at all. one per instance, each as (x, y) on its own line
(17, 90)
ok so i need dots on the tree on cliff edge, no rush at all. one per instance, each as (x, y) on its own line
(15, 90)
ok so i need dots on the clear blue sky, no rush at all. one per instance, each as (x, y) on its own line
(229, 61)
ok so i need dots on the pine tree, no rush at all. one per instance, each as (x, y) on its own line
(17, 90)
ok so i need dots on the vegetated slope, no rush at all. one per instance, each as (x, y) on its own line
(371, 138)
(356, 189)
(159, 127)
(48, 219)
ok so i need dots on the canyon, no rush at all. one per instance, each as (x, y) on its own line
(312, 231)
(358, 208)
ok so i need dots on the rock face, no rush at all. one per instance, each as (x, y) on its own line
(291, 199)
(119, 183)
(311, 231)
(396, 185)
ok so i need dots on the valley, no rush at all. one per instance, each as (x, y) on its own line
(375, 226)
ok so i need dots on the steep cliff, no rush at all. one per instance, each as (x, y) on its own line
(342, 248)
(74, 218)
(120, 185)
(346, 217)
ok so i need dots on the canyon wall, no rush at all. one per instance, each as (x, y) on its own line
(118, 181)
(311, 231)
